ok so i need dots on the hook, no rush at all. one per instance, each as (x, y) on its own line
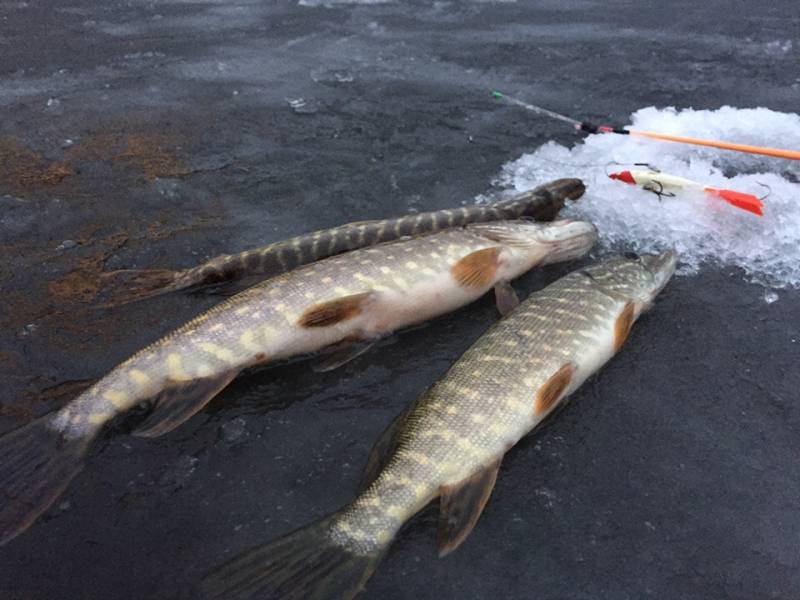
(660, 191)
(769, 191)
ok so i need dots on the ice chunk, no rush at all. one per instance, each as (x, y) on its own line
(53, 106)
(779, 46)
(67, 245)
(234, 430)
(332, 76)
(178, 473)
(701, 227)
(301, 106)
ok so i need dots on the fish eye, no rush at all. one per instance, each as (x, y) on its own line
(631, 255)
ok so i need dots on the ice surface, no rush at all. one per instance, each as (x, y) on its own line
(700, 227)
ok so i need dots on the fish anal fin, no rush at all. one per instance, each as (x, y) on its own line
(552, 390)
(180, 401)
(478, 269)
(335, 311)
(341, 354)
(623, 324)
(461, 504)
(505, 297)
(383, 449)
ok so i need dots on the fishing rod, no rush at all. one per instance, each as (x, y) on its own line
(592, 128)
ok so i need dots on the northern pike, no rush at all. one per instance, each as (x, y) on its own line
(359, 296)
(542, 204)
(450, 444)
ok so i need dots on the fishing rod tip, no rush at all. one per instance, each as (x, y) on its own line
(496, 94)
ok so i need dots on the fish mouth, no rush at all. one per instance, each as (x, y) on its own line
(662, 267)
(567, 240)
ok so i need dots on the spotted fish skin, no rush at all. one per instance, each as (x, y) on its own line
(362, 295)
(451, 443)
(391, 286)
(542, 203)
(497, 392)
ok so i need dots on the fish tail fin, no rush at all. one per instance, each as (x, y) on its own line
(306, 564)
(747, 202)
(37, 463)
(133, 285)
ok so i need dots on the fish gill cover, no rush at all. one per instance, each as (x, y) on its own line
(702, 228)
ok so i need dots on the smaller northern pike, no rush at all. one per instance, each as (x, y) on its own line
(359, 296)
(450, 444)
(542, 204)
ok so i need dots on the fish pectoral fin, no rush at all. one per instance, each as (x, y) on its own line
(341, 354)
(334, 311)
(505, 297)
(477, 269)
(383, 449)
(623, 324)
(461, 504)
(180, 401)
(553, 389)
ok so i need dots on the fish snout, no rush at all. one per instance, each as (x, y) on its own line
(571, 188)
(567, 240)
(663, 263)
(662, 267)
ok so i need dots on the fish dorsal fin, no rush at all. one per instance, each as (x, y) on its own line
(335, 311)
(623, 324)
(384, 448)
(477, 269)
(461, 504)
(553, 389)
(505, 297)
(180, 401)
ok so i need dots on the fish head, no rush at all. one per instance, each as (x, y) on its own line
(545, 201)
(532, 243)
(636, 278)
(571, 188)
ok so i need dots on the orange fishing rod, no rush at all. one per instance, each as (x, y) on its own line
(591, 128)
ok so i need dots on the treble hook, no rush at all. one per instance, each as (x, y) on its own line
(658, 192)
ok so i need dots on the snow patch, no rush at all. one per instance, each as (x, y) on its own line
(703, 229)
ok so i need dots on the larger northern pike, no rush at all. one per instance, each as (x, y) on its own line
(361, 295)
(451, 443)
(542, 203)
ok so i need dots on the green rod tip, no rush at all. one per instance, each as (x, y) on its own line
(496, 94)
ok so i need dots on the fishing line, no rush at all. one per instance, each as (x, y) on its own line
(592, 128)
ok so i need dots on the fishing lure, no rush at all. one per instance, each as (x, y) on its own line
(663, 184)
